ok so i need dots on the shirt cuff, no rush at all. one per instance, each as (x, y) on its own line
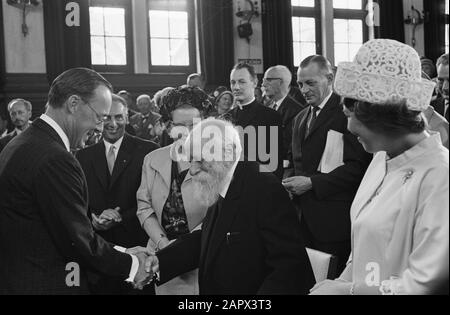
(134, 264)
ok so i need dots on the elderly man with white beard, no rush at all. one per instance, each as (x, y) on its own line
(250, 242)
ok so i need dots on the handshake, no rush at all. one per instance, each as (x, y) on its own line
(148, 266)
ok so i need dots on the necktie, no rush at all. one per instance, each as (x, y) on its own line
(111, 159)
(275, 106)
(312, 120)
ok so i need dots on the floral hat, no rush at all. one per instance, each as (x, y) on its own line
(385, 71)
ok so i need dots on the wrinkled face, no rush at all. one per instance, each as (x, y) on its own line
(88, 115)
(272, 83)
(242, 85)
(443, 80)
(224, 104)
(20, 115)
(114, 127)
(314, 84)
(207, 176)
(371, 141)
(144, 105)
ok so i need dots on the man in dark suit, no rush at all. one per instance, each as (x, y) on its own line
(256, 119)
(20, 112)
(47, 243)
(250, 242)
(324, 191)
(276, 85)
(441, 104)
(113, 170)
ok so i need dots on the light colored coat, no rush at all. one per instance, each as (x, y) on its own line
(151, 197)
(400, 222)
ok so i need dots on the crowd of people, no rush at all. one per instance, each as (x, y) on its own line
(222, 193)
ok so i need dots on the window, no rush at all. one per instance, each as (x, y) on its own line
(172, 35)
(349, 28)
(306, 29)
(111, 46)
(446, 27)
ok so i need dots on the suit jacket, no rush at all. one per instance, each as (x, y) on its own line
(439, 106)
(7, 139)
(288, 110)
(257, 115)
(43, 218)
(119, 189)
(326, 208)
(255, 246)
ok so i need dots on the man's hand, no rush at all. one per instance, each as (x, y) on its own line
(152, 264)
(297, 185)
(138, 250)
(112, 215)
(142, 277)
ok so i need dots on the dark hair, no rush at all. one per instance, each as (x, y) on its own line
(77, 81)
(250, 69)
(118, 99)
(321, 61)
(185, 97)
(389, 119)
(443, 60)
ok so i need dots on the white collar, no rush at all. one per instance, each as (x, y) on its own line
(228, 179)
(17, 131)
(58, 130)
(248, 103)
(325, 101)
(117, 145)
(280, 101)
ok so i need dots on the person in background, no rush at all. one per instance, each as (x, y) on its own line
(196, 80)
(20, 112)
(113, 169)
(441, 104)
(400, 215)
(167, 208)
(3, 126)
(132, 110)
(328, 163)
(145, 122)
(223, 100)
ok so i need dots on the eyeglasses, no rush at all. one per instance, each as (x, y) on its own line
(100, 118)
(270, 80)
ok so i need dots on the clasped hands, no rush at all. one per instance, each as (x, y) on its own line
(148, 266)
(107, 220)
(297, 185)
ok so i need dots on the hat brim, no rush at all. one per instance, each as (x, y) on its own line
(355, 83)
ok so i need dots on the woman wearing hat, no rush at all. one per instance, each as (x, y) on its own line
(400, 215)
(223, 100)
(166, 208)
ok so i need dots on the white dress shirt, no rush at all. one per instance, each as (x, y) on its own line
(116, 145)
(65, 139)
(278, 103)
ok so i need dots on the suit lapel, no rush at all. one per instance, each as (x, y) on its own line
(123, 159)
(328, 111)
(225, 219)
(100, 165)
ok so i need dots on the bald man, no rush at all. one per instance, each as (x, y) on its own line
(20, 113)
(276, 83)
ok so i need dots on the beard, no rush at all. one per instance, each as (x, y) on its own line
(208, 185)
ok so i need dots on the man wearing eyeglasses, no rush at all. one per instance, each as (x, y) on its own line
(276, 83)
(113, 173)
(47, 242)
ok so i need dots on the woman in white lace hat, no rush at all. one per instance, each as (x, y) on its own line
(400, 215)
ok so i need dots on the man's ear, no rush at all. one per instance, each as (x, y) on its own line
(72, 103)
(330, 78)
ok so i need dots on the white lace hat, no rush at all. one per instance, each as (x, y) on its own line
(385, 71)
